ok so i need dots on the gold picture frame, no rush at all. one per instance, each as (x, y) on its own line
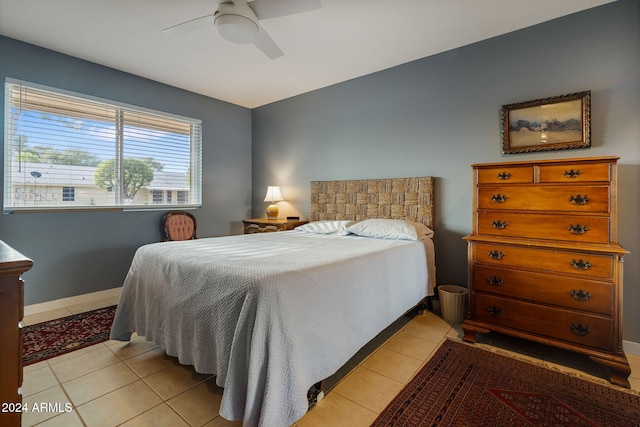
(547, 124)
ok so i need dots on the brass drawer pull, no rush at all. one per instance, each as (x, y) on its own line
(579, 200)
(580, 295)
(498, 225)
(580, 265)
(495, 254)
(494, 281)
(504, 175)
(571, 173)
(578, 229)
(494, 311)
(580, 329)
(499, 198)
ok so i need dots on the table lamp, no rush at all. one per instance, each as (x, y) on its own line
(273, 195)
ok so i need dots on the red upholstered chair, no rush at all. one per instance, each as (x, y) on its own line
(178, 225)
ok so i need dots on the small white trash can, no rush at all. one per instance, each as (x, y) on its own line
(453, 303)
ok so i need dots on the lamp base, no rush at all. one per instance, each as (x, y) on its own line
(272, 212)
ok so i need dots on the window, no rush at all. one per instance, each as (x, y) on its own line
(160, 196)
(71, 151)
(68, 194)
(182, 196)
(156, 196)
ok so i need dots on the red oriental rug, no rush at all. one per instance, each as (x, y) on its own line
(50, 339)
(463, 385)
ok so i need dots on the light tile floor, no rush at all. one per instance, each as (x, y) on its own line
(136, 384)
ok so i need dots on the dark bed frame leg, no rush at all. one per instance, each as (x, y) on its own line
(315, 393)
(425, 304)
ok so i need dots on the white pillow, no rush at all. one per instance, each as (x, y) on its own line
(338, 228)
(396, 229)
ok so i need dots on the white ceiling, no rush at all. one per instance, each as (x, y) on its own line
(343, 40)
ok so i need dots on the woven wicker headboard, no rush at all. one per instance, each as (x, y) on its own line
(394, 198)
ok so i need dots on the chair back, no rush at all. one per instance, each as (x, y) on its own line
(178, 225)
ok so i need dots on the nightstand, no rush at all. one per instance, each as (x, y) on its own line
(264, 225)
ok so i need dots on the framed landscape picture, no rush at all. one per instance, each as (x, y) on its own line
(557, 123)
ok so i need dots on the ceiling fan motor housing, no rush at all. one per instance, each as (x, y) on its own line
(236, 23)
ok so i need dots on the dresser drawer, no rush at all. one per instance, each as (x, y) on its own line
(576, 172)
(21, 300)
(574, 228)
(505, 175)
(561, 291)
(579, 198)
(575, 263)
(575, 327)
(20, 352)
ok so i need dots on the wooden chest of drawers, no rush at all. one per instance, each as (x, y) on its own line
(544, 263)
(12, 265)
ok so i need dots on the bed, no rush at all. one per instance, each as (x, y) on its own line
(261, 311)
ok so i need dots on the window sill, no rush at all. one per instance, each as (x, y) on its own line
(99, 209)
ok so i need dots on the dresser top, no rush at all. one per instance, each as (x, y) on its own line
(12, 262)
(549, 161)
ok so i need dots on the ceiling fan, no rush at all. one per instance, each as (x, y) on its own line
(237, 21)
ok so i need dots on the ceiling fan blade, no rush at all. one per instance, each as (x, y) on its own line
(265, 9)
(265, 43)
(190, 26)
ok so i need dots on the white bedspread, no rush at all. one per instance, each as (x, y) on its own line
(269, 314)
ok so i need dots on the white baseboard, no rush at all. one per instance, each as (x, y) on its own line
(69, 301)
(631, 347)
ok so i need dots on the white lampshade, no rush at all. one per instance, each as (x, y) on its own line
(273, 194)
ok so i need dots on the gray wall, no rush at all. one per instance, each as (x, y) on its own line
(438, 115)
(78, 253)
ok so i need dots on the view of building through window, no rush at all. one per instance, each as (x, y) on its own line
(68, 151)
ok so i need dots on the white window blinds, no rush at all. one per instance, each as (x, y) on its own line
(104, 153)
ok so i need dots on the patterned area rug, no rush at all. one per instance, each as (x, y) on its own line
(463, 385)
(50, 339)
